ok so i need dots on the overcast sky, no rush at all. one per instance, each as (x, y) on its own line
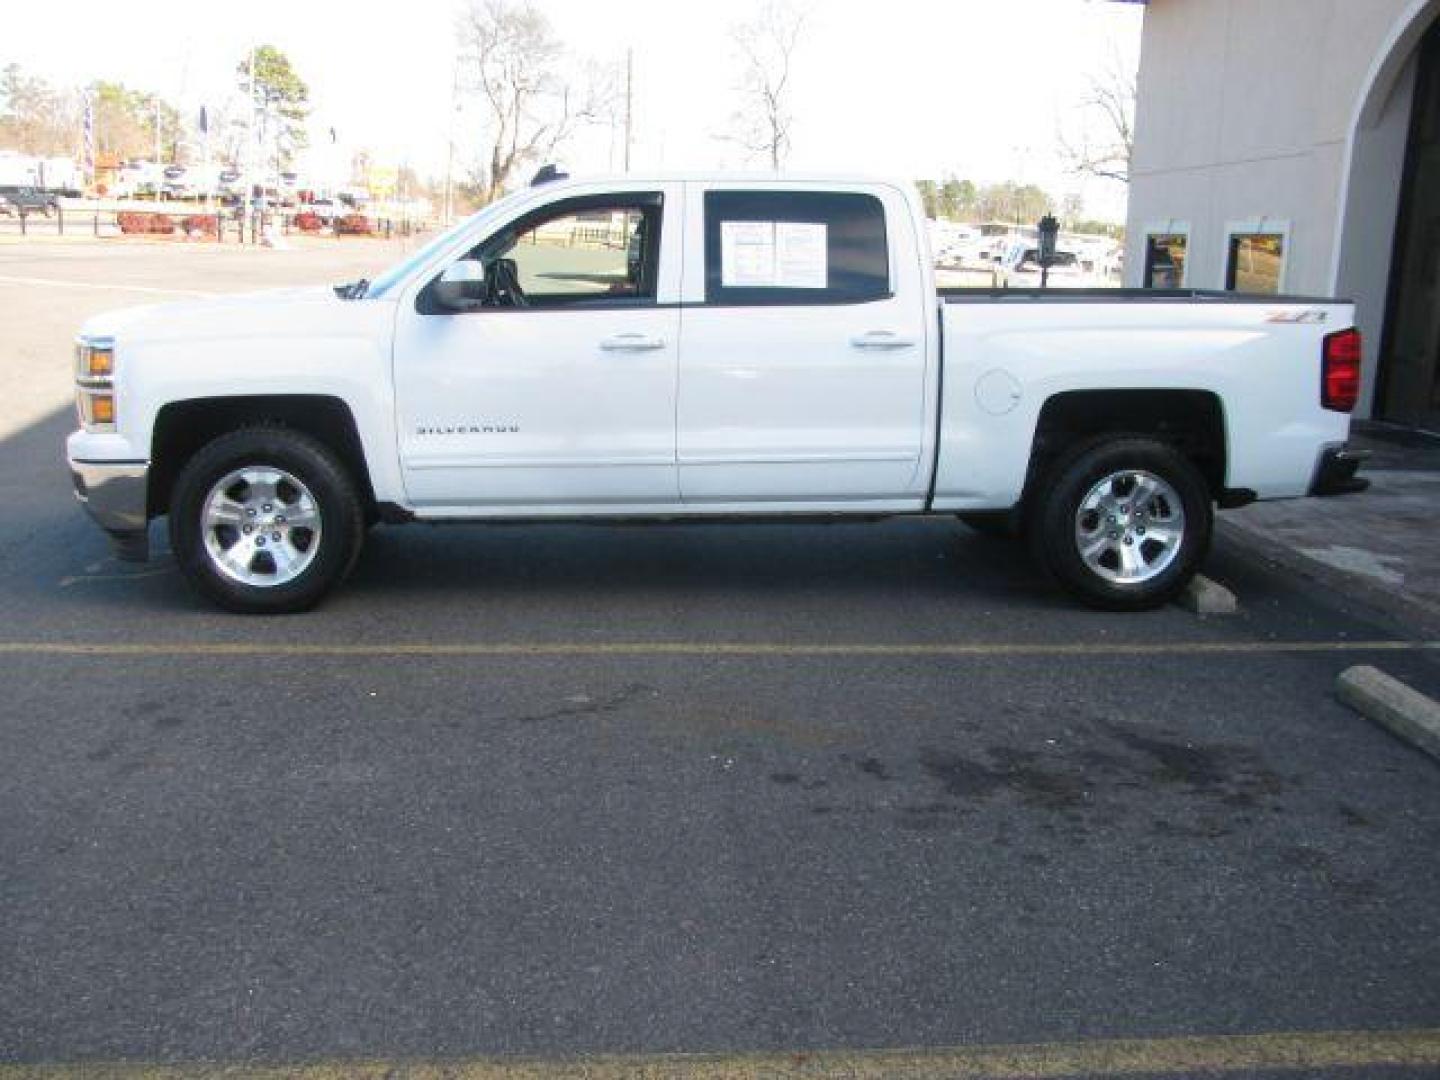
(909, 87)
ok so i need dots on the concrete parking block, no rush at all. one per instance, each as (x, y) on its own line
(1206, 597)
(1393, 705)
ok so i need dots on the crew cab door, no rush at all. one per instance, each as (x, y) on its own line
(558, 391)
(803, 373)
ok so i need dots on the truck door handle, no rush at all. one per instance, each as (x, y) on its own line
(631, 343)
(881, 339)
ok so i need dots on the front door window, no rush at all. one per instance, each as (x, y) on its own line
(599, 253)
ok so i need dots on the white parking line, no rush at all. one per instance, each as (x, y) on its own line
(56, 283)
(124, 575)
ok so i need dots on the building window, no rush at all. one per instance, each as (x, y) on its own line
(794, 247)
(1255, 254)
(1166, 249)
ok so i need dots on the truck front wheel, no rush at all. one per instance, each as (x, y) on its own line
(265, 520)
(1123, 524)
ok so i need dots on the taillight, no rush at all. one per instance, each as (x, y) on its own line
(1340, 373)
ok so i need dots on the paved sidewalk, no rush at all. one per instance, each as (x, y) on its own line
(1382, 546)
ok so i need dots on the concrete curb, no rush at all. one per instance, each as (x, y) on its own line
(1204, 596)
(1387, 701)
(1389, 604)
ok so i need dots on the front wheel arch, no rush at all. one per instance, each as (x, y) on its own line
(183, 427)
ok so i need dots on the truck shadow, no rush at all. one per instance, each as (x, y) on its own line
(894, 558)
(46, 541)
(51, 554)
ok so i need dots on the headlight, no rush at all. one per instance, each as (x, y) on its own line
(95, 383)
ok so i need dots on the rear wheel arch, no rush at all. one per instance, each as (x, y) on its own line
(1191, 421)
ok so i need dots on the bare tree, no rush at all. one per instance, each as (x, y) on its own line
(36, 117)
(1107, 125)
(511, 58)
(766, 46)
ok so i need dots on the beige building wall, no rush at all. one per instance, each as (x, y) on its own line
(1281, 111)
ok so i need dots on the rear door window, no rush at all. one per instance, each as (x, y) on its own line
(794, 247)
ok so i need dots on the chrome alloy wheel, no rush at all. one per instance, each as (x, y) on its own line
(1130, 526)
(261, 526)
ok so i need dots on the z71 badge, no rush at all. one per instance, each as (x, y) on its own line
(1310, 315)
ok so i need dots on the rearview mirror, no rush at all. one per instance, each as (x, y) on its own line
(462, 286)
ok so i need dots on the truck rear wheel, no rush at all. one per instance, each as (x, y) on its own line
(265, 521)
(1123, 524)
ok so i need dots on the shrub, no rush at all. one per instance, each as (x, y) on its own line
(308, 221)
(353, 225)
(137, 223)
(204, 224)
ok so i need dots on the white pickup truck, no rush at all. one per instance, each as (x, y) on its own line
(702, 348)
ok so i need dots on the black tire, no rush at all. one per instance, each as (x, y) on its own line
(340, 507)
(1056, 504)
(995, 524)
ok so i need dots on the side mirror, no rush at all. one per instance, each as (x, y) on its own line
(462, 286)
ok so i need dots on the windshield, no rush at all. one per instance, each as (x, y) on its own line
(423, 254)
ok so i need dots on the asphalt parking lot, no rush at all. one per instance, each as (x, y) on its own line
(750, 792)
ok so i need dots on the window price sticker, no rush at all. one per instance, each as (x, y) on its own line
(773, 255)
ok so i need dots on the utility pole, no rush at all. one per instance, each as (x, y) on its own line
(205, 135)
(247, 169)
(629, 115)
(450, 143)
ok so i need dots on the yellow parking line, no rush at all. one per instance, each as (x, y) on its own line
(698, 648)
(1281, 1052)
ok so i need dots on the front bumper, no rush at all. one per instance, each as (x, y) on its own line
(115, 494)
(1335, 474)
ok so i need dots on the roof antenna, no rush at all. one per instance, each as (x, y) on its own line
(548, 174)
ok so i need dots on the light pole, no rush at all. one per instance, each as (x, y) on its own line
(450, 142)
(629, 114)
(247, 170)
(1048, 229)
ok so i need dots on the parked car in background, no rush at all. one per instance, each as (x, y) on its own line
(138, 178)
(174, 185)
(981, 253)
(289, 188)
(232, 182)
(327, 209)
(1019, 268)
(21, 200)
(950, 241)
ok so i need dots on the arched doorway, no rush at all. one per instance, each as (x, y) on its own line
(1408, 388)
(1386, 242)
